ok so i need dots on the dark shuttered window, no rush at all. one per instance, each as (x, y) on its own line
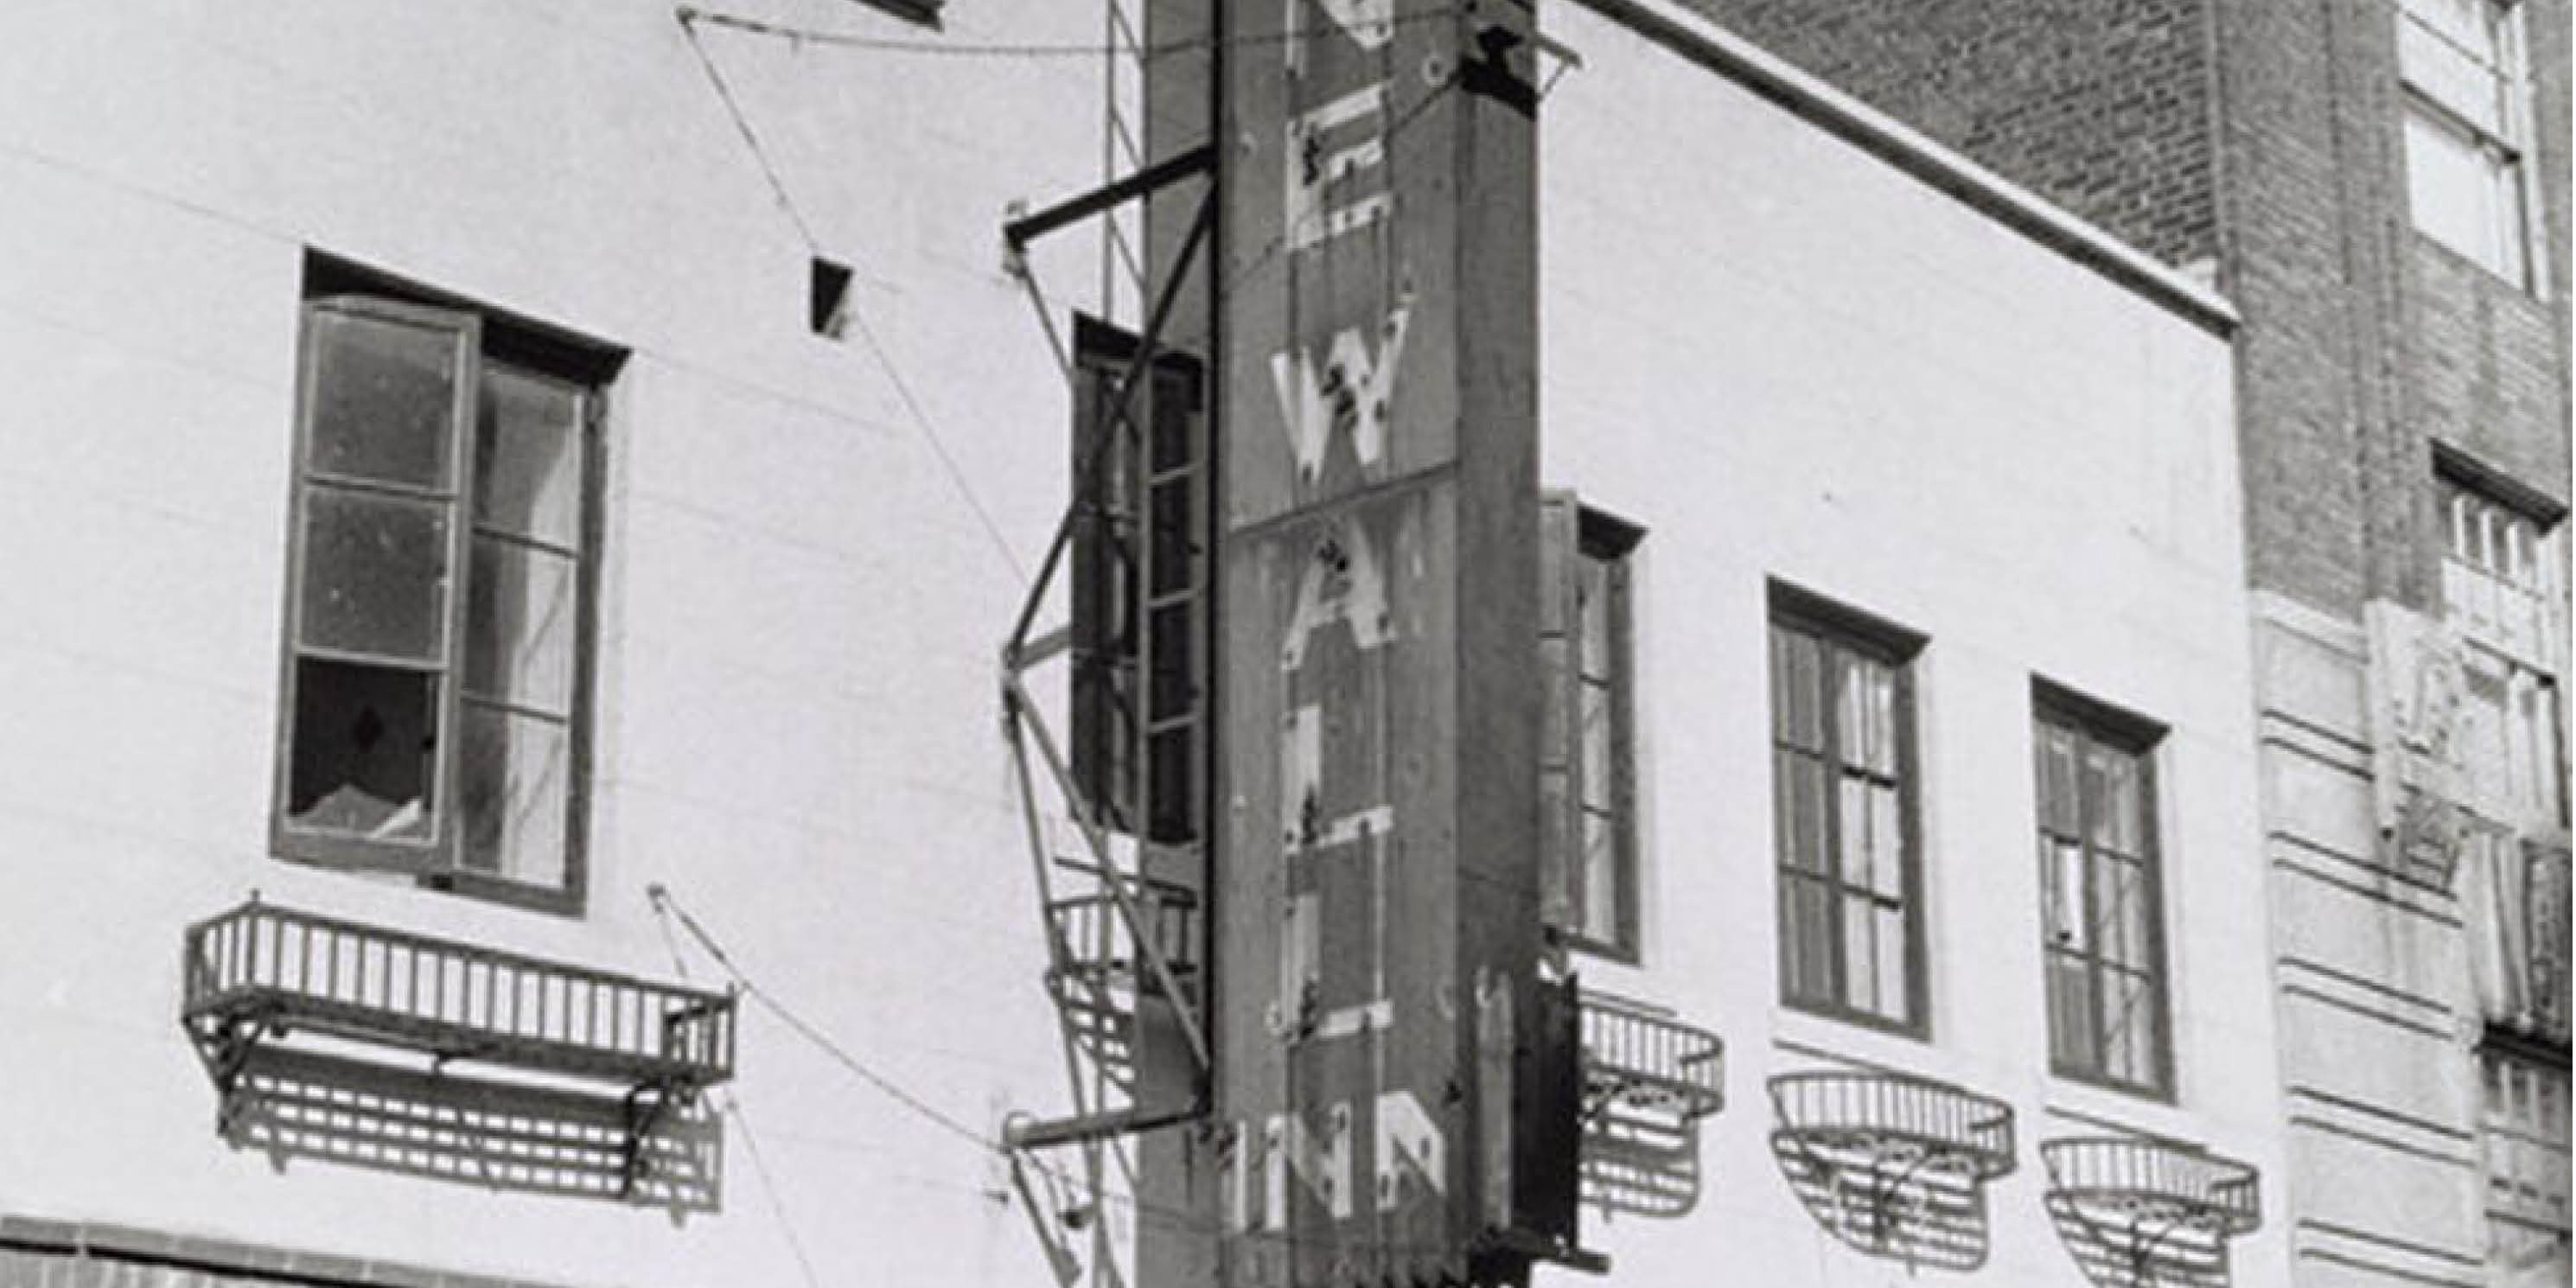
(1588, 767)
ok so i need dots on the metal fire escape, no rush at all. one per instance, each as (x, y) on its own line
(1106, 709)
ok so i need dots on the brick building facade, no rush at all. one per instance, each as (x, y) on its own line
(2382, 190)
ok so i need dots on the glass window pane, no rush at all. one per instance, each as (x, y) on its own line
(1887, 843)
(1856, 819)
(2129, 1048)
(2120, 910)
(1592, 609)
(375, 575)
(1801, 810)
(1866, 713)
(2070, 1011)
(2124, 809)
(516, 778)
(2466, 199)
(2068, 927)
(1796, 683)
(528, 457)
(1174, 546)
(1600, 878)
(364, 758)
(1891, 949)
(522, 626)
(1860, 964)
(1593, 740)
(1807, 912)
(2060, 808)
(384, 399)
(2094, 773)
(1175, 396)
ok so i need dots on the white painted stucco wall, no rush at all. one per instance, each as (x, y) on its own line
(1788, 359)
(800, 615)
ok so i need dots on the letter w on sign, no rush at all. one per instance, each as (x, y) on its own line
(1346, 394)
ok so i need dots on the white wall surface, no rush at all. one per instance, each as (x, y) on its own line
(1788, 359)
(796, 719)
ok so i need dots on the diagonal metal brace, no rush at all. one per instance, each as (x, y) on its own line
(1144, 183)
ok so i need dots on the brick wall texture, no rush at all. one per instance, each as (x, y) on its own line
(2266, 134)
(2101, 108)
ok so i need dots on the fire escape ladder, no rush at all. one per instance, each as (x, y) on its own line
(1111, 776)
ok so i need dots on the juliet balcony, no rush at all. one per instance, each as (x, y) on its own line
(379, 1046)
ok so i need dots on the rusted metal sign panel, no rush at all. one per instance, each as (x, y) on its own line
(1375, 875)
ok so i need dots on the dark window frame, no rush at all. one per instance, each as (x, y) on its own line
(1125, 705)
(1835, 625)
(1611, 542)
(530, 349)
(2096, 723)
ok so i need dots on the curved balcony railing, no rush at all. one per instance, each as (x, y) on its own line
(1643, 1058)
(2153, 1185)
(1895, 1117)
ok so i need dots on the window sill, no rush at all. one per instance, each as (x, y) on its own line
(566, 903)
(1912, 1031)
(2144, 1093)
(1615, 954)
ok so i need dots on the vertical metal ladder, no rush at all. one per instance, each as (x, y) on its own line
(1122, 914)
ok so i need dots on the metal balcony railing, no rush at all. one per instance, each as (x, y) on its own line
(1895, 1117)
(1101, 946)
(1640, 1057)
(2152, 1185)
(260, 972)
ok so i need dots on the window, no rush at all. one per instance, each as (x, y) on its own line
(1140, 569)
(2467, 121)
(2499, 591)
(1589, 765)
(1843, 782)
(2101, 911)
(437, 668)
(2524, 1117)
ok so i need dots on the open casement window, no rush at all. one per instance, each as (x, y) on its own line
(1843, 814)
(1140, 569)
(436, 669)
(2101, 906)
(1587, 764)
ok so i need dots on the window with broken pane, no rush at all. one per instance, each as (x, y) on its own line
(1843, 820)
(438, 626)
(2100, 911)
